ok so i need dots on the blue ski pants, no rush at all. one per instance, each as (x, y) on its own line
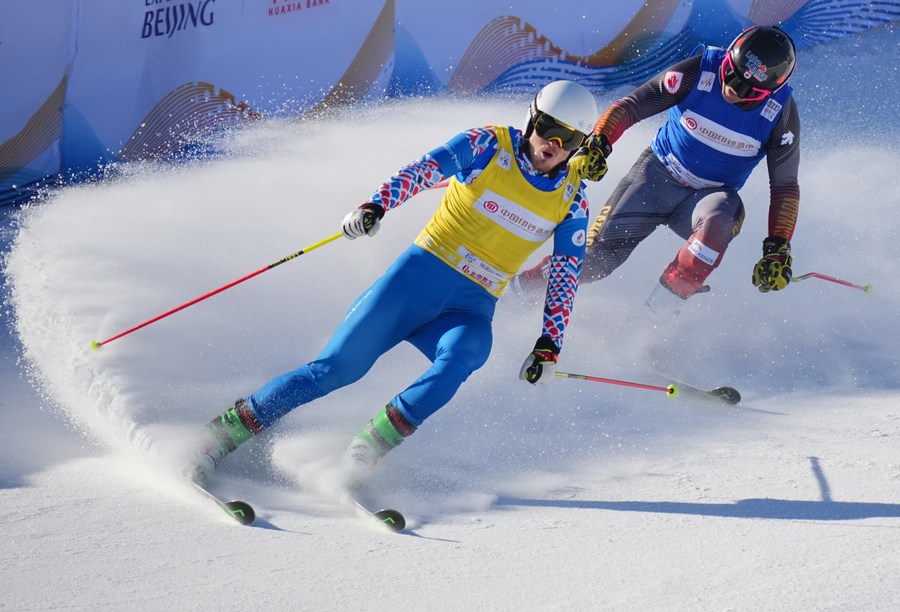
(421, 300)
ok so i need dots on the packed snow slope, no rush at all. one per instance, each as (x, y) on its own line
(567, 496)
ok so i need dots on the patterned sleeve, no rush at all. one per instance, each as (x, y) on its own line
(565, 268)
(456, 155)
(660, 93)
(783, 162)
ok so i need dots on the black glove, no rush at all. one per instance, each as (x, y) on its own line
(773, 271)
(590, 160)
(541, 362)
(364, 221)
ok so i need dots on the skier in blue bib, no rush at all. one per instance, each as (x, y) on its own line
(728, 109)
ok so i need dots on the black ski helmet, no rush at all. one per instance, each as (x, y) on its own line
(760, 59)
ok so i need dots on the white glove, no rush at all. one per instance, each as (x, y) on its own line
(364, 221)
(541, 362)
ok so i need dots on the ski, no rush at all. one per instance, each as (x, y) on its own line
(728, 395)
(723, 394)
(239, 510)
(392, 519)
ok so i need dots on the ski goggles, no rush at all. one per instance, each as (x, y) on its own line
(566, 137)
(735, 80)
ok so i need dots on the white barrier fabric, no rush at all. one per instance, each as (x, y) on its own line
(110, 80)
(37, 45)
(87, 82)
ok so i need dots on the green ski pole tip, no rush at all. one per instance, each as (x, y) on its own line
(868, 289)
(672, 390)
(95, 345)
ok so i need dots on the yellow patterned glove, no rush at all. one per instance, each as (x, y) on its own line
(590, 160)
(773, 271)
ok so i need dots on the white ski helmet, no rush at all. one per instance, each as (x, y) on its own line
(568, 102)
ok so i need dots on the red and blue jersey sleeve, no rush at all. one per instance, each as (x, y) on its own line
(465, 153)
(565, 268)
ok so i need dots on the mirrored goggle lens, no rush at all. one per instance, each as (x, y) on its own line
(549, 128)
(744, 90)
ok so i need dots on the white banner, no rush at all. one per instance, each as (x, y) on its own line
(87, 82)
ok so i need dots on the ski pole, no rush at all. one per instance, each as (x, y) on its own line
(671, 390)
(867, 288)
(96, 345)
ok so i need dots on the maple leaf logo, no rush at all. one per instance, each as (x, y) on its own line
(672, 81)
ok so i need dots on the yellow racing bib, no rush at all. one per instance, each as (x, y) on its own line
(487, 229)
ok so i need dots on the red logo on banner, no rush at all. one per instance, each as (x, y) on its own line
(284, 7)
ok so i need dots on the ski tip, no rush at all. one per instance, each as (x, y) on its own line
(728, 395)
(240, 511)
(392, 519)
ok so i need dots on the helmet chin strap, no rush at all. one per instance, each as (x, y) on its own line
(746, 106)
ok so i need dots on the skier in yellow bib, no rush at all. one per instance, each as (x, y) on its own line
(510, 192)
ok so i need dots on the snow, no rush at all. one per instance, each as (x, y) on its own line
(567, 496)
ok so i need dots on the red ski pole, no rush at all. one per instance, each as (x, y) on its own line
(867, 289)
(96, 345)
(671, 390)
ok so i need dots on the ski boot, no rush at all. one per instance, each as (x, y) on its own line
(381, 434)
(663, 302)
(222, 435)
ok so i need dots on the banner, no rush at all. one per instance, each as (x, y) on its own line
(138, 79)
(89, 82)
